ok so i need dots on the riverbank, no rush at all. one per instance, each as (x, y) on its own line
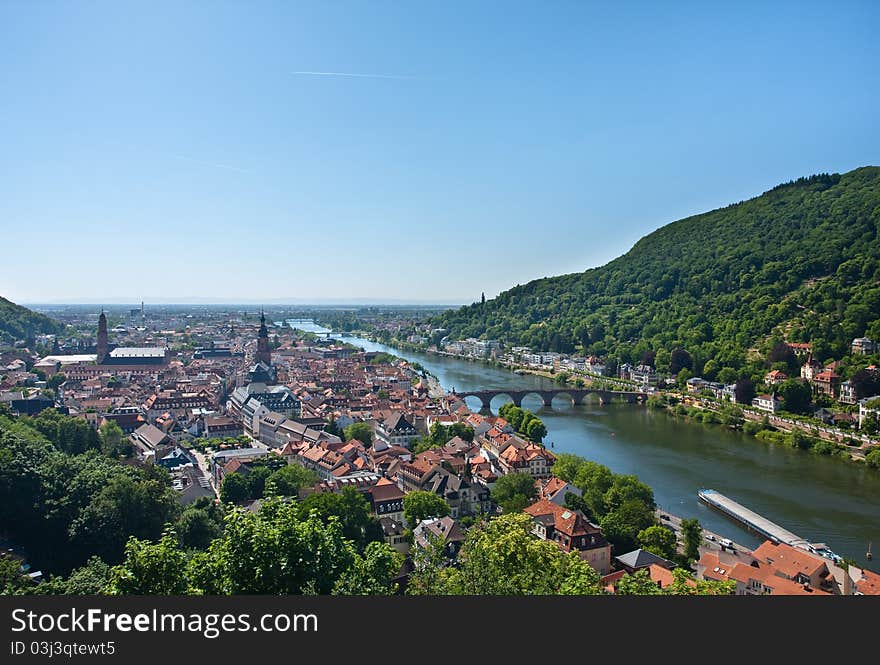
(813, 495)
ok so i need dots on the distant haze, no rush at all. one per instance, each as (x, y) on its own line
(359, 152)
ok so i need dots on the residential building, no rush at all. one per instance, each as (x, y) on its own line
(775, 377)
(766, 403)
(863, 346)
(386, 500)
(397, 431)
(444, 529)
(847, 393)
(644, 375)
(220, 427)
(638, 559)
(531, 458)
(826, 382)
(572, 532)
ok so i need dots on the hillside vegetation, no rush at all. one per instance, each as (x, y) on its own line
(17, 322)
(800, 262)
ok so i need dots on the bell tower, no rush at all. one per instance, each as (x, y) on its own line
(102, 338)
(264, 353)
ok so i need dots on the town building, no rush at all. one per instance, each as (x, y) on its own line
(572, 532)
(863, 346)
(767, 403)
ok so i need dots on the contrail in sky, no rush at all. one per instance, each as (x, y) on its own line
(212, 164)
(360, 76)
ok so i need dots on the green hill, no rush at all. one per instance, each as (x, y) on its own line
(17, 322)
(800, 262)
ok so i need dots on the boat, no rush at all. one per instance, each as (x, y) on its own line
(868, 554)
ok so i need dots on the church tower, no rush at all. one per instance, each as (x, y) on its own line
(102, 338)
(264, 353)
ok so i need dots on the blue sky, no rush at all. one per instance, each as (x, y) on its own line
(172, 150)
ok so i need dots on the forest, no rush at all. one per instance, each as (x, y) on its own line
(17, 322)
(799, 263)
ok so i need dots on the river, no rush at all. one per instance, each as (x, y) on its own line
(818, 498)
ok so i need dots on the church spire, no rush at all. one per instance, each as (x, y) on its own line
(264, 353)
(103, 343)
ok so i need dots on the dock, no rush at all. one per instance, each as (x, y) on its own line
(762, 525)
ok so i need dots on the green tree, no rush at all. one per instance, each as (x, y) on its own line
(113, 440)
(514, 491)
(197, 527)
(692, 533)
(289, 480)
(234, 488)
(536, 430)
(350, 509)
(92, 579)
(371, 575)
(659, 540)
(622, 525)
(151, 568)
(502, 557)
(12, 578)
(360, 431)
(566, 466)
(796, 396)
(418, 506)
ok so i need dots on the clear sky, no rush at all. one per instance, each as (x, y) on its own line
(410, 151)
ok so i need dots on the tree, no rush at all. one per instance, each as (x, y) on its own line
(566, 466)
(125, 507)
(659, 540)
(680, 359)
(289, 480)
(796, 395)
(197, 527)
(536, 430)
(502, 557)
(360, 431)
(12, 578)
(151, 568)
(234, 488)
(872, 459)
(648, 358)
(683, 375)
(92, 579)
(113, 440)
(514, 491)
(638, 583)
(418, 506)
(622, 525)
(350, 509)
(273, 551)
(744, 391)
(727, 375)
(370, 575)
(692, 533)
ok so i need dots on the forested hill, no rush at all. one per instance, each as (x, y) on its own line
(801, 261)
(17, 322)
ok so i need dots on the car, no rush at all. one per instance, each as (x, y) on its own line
(726, 543)
(664, 517)
(709, 536)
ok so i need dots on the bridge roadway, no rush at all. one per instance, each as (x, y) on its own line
(576, 395)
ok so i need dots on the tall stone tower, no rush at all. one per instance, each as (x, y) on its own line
(264, 353)
(103, 346)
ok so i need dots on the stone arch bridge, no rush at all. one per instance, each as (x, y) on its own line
(576, 395)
